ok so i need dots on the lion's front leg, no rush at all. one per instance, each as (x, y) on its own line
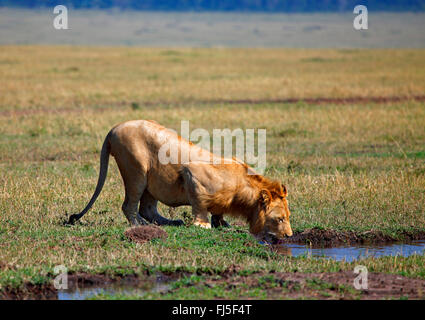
(201, 218)
(218, 221)
(195, 189)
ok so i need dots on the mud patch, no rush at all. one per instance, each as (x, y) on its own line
(143, 234)
(327, 238)
(340, 285)
(29, 292)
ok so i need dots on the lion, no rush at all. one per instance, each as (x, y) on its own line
(223, 187)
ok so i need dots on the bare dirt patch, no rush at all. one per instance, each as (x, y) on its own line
(29, 292)
(322, 100)
(143, 234)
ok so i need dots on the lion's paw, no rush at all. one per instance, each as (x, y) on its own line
(205, 225)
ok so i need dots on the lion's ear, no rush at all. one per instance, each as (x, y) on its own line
(265, 197)
(285, 191)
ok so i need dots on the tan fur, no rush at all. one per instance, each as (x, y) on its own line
(218, 188)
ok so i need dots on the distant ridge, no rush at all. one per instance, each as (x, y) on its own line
(226, 5)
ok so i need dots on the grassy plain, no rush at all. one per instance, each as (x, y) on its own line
(43, 76)
(355, 167)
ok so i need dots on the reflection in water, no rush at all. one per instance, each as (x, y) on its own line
(350, 253)
(113, 289)
(285, 250)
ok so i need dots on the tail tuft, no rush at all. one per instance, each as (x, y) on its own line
(72, 219)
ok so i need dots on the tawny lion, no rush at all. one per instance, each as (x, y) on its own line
(219, 187)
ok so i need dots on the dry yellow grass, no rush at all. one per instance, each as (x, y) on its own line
(42, 76)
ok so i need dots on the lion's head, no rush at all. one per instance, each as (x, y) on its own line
(272, 221)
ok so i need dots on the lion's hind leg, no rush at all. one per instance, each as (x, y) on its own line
(129, 208)
(134, 188)
(149, 211)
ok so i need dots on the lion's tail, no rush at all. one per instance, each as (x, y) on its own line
(104, 161)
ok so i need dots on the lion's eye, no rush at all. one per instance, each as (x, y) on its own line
(280, 220)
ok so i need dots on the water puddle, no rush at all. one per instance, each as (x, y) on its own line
(351, 253)
(124, 288)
